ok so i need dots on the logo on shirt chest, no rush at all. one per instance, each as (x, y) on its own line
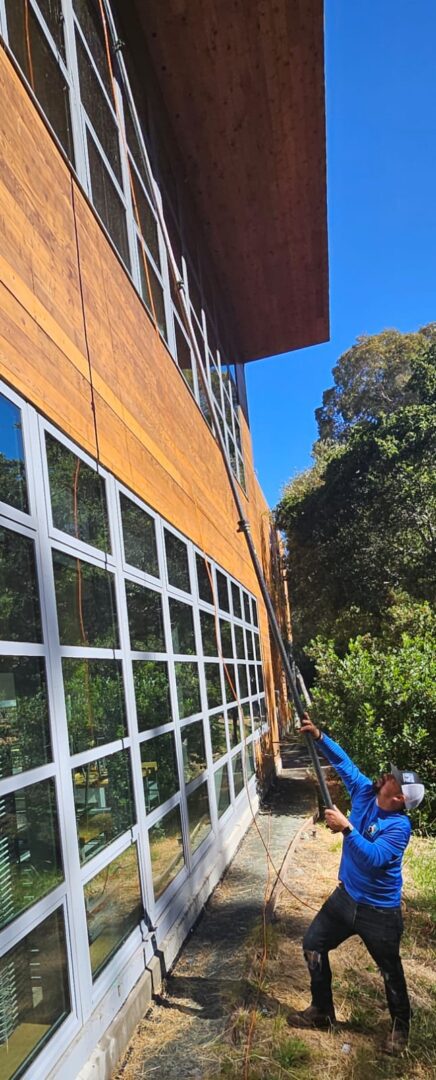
(371, 830)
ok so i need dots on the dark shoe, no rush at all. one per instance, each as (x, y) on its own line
(396, 1041)
(312, 1017)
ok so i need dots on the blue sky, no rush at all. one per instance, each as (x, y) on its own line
(381, 153)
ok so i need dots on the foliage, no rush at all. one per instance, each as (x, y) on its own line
(371, 378)
(379, 699)
(361, 524)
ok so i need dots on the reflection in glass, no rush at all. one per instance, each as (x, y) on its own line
(234, 726)
(222, 590)
(152, 693)
(85, 600)
(30, 855)
(239, 642)
(194, 754)
(188, 689)
(177, 561)
(166, 850)
(107, 201)
(24, 723)
(208, 634)
(243, 682)
(236, 597)
(113, 907)
(226, 638)
(103, 799)
(249, 640)
(222, 789)
(253, 682)
(35, 994)
(159, 770)
(98, 109)
(245, 714)
(94, 702)
(139, 536)
(145, 618)
(249, 759)
(246, 606)
(257, 646)
(13, 488)
(184, 357)
(78, 496)
(204, 575)
(91, 24)
(19, 600)
(217, 726)
(260, 679)
(230, 682)
(257, 719)
(182, 627)
(158, 297)
(254, 611)
(238, 774)
(213, 685)
(199, 816)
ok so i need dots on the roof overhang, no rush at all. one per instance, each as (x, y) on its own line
(243, 83)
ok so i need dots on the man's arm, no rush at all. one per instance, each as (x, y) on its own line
(371, 854)
(353, 779)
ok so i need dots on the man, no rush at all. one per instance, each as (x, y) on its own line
(368, 898)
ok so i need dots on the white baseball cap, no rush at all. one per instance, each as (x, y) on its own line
(411, 786)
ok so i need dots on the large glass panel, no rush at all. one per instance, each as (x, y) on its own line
(24, 723)
(223, 592)
(149, 280)
(194, 754)
(249, 641)
(260, 679)
(13, 488)
(257, 718)
(113, 907)
(188, 689)
(177, 561)
(245, 716)
(246, 606)
(184, 358)
(249, 759)
(204, 575)
(139, 536)
(152, 693)
(78, 496)
(243, 681)
(222, 789)
(252, 675)
(239, 642)
(236, 597)
(257, 646)
(217, 726)
(182, 627)
(208, 633)
(234, 726)
(254, 611)
(34, 995)
(230, 682)
(94, 702)
(159, 770)
(166, 850)
(238, 773)
(86, 607)
(145, 618)
(89, 16)
(52, 12)
(226, 638)
(213, 685)
(19, 601)
(98, 110)
(30, 857)
(107, 201)
(103, 799)
(146, 220)
(36, 59)
(199, 816)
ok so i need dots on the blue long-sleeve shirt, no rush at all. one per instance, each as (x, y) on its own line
(372, 853)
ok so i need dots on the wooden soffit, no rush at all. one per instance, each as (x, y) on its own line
(243, 83)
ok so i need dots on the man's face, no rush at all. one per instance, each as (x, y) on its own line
(389, 793)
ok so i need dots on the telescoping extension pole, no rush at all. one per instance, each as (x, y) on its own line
(243, 524)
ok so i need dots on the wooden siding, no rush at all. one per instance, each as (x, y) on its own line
(73, 329)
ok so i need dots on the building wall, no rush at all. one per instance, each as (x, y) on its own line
(80, 350)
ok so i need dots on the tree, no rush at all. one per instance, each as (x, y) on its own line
(372, 378)
(361, 525)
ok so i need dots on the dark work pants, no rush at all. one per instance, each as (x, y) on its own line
(380, 930)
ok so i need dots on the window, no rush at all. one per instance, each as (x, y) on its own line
(152, 693)
(35, 992)
(85, 600)
(24, 721)
(13, 489)
(188, 689)
(177, 561)
(77, 495)
(208, 633)
(103, 799)
(182, 627)
(217, 726)
(213, 685)
(166, 850)
(139, 536)
(238, 774)
(113, 907)
(222, 789)
(30, 848)
(159, 770)
(199, 816)
(94, 702)
(204, 575)
(19, 600)
(194, 755)
(145, 618)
